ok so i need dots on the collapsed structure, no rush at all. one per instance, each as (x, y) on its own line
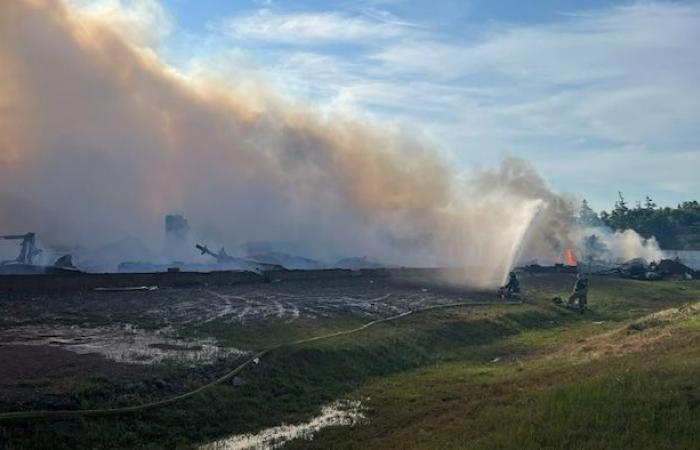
(24, 263)
(640, 269)
(28, 248)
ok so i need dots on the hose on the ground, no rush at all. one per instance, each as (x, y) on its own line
(254, 359)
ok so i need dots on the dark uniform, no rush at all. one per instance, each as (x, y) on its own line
(580, 293)
(512, 288)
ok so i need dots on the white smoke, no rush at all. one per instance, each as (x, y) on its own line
(99, 139)
(613, 247)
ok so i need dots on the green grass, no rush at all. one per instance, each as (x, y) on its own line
(258, 335)
(537, 399)
(629, 403)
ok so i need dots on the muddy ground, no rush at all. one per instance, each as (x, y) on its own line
(97, 349)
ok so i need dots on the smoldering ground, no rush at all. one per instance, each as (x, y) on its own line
(99, 138)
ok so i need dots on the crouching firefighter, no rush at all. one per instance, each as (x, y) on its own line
(580, 293)
(511, 291)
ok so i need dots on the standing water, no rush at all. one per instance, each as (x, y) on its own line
(341, 413)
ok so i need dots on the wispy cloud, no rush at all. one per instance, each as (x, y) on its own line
(626, 74)
(309, 28)
(668, 176)
(584, 48)
(574, 88)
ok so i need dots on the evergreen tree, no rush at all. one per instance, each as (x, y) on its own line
(674, 228)
(619, 218)
(586, 214)
(621, 204)
(649, 203)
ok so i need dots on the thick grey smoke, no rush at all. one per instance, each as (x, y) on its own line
(99, 140)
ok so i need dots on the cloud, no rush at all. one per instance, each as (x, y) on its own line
(588, 77)
(584, 48)
(308, 28)
(669, 176)
(584, 85)
(610, 78)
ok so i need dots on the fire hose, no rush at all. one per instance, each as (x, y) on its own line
(254, 359)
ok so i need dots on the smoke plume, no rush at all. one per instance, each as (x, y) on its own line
(99, 139)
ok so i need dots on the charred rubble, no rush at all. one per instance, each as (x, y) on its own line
(641, 269)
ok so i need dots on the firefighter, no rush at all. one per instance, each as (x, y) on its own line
(512, 289)
(580, 293)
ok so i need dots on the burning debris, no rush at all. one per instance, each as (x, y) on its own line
(640, 269)
(570, 265)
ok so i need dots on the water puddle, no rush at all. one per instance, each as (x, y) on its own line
(123, 343)
(341, 413)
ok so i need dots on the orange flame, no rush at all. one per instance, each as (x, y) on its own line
(570, 257)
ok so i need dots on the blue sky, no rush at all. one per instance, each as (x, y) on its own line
(600, 95)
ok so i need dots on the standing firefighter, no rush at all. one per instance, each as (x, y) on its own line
(580, 292)
(512, 289)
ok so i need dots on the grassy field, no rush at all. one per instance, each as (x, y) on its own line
(624, 375)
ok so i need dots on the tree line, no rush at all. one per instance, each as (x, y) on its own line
(674, 228)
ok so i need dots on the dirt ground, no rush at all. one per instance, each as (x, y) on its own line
(48, 376)
(175, 306)
(58, 350)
